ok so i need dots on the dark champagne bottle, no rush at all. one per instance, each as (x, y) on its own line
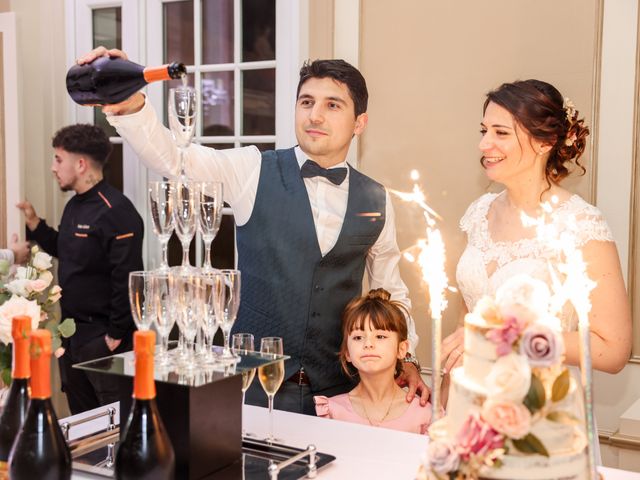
(109, 80)
(40, 450)
(15, 410)
(145, 451)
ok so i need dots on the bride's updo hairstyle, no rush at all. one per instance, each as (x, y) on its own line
(540, 109)
(383, 313)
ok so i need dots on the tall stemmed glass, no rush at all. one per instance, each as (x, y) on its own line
(185, 213)
(226, 305)
(209, 320)
(140, 299)
(210, 215)
(161, 198)
(271, 375)
(163, 314)
(183, 107)
(243, 343)
(186, 290)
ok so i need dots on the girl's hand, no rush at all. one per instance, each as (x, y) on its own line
(410, 377)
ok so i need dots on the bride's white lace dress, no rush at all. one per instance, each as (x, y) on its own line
(486, 264)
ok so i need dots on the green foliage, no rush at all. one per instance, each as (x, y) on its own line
(561, 386)
(530, 444)
(563, 417)
(536, 396)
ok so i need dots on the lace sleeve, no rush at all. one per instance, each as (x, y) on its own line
(475, 212)
(590, 224)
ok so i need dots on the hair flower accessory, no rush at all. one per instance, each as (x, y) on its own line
(569, 109)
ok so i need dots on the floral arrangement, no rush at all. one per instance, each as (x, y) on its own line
(526, 383)
(29, 290)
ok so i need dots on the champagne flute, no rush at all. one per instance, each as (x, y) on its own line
(163, 316)
(243, 343)
(211, 203)
(183, 103)
(209, 320)
(161, 199)
(140, 299)
(188, 296)
(226, 304)
(185, 212)
(271, 375)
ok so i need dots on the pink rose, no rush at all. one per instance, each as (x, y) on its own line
(442, 456)
(37, 285)
(505, 336)
(541, 345)
(509, 418)
(477, 437)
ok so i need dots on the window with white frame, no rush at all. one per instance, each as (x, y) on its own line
(242, 55)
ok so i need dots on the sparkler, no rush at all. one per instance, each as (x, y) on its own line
(576, 288)
(431, 258)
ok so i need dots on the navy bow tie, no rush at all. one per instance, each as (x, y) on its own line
(334, 175)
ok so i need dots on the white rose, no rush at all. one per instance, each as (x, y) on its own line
(524, 298)
(17, 306)
(46, 277)
(55, 293)
(19, 287)
(22, 273)
(509, 378)
(42, 261)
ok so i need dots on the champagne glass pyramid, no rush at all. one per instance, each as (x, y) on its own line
(185, 214)
(183, 107)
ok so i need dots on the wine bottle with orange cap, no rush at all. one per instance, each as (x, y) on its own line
(40, 450)
(109, 80)
(145, 451)
(15, 409)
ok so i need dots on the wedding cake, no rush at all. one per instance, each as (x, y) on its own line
(514, 410)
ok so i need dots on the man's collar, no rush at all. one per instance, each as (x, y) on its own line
(302, 157)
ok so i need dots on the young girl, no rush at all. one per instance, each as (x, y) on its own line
(374, 343)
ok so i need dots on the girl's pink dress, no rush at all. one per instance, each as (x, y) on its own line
(415, 419)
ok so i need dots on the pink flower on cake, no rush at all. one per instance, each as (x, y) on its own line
(509, 418)
(541, 346)
(509, 378)
(442, 456)
(505, 336)
(523, 297)
(477, 437)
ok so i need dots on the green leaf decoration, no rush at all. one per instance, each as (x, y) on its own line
(67, 328)
(6, 376)
(561, 386)
(4, 267)
(563, 417)
(56, 343)
(536, 397)
(530, 444)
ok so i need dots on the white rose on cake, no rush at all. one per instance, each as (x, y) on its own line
(509, 378)
(524, 298)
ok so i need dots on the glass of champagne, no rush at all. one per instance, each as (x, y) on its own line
(243, 343)
(187, 292)
(161, 199)
(209, 321)
(183, 108)
(140, 299)
(163, 315)
(271, 375)
(226, 304)
(210, 203)
(185, 213)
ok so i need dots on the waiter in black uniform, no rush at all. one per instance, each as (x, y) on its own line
(98, 242)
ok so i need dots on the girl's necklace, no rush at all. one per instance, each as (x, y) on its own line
(364, 408)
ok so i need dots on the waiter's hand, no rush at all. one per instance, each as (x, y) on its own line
(410, 377)
(30, 217)
(112, 343)
(131, 105)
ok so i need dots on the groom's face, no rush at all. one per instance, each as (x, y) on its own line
(326, 121)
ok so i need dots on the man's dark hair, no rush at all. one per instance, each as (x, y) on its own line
(84, 139)
(342, 72)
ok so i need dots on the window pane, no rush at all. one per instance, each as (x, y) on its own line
(178, 32)
(107, 30)
(263, 147)
(258, 30)
(259, 102)
(217, 31)
(113, 169)
(217, 103)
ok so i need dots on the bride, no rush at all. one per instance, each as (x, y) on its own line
(531, 140)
